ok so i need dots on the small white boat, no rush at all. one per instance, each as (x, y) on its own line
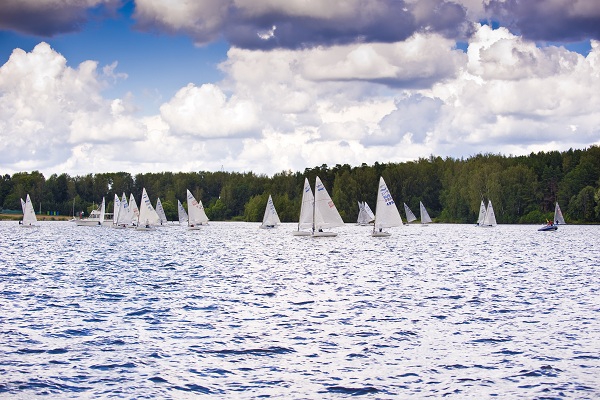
(489, 217)
(386, 212)
(305, 221)
(550, 226)
(425, 218)
(270, 219)
(182, 215)
(148, 217)
(410, 216)
(29, 219)
(196, 214)
(325, 214)
(558, 215)
(365, 215)
(96, 217)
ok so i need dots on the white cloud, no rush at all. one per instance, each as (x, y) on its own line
(292, 109)
(205, 112)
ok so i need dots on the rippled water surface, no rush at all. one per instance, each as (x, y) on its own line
(233, 311)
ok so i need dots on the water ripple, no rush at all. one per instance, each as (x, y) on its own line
(233, 311)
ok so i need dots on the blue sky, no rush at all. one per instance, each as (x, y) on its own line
(157, 85)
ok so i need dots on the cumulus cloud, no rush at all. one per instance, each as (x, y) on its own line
(46, 107)
(49, 17)
(295, 24)
(205, 112)
(295, 108)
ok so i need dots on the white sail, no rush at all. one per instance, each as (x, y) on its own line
(305, 221)
(102, 211)
(196, 213)
(410, 216)
(124, 216)
(558, 216)
(161, 212)
(481, 216)
(134, 211)
(386, 212)
(148, 215)
(425, 218)
(116, 209)
(365, 215)
(490, 216)
(326, 214)
(369, 211)
(29, 218)
(182, 215)
(270, 219)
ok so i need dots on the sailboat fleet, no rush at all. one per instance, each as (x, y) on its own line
(318, 213)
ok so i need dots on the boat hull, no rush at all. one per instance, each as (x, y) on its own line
(144, 228)
(548, 228)
(381, 234)
(324, 234)
(84, 222)
(301, 233)
(194, 228)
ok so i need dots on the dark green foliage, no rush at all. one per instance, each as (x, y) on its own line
(523, 189)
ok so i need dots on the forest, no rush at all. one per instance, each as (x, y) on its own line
(523, 189)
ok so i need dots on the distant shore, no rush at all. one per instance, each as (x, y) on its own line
(42, 217)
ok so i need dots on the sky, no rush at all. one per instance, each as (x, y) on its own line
(92, 86)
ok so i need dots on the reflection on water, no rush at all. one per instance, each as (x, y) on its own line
(236, 311)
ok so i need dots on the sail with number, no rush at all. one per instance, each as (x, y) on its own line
(386, 212)
(410, 216)
(116, 209)
(558, 216)
(270, 218)
(182, 215)
(134, 211)
(124, 216)
(305, 221)
(196, 213)
(326, 214)
(148, 215)
(425, 218)
(161, 212)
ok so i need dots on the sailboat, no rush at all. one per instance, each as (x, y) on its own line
(410, 216)
(182, 215)
(386, 212)
(124, 215)
(365, 215)
(270, 219)
(29, 218)
(325, 214)
(133, 211)
(116, 209)
(489, 219)
(96, 217)
(425, 218)
(161, 213)
(558, 216)
(306, 211)
(481, 216)
(196, 214)
(148, 218)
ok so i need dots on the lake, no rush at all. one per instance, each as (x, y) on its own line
(233, 311)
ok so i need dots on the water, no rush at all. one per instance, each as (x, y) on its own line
(233, 311)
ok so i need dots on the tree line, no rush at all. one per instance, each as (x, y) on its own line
(523, 189)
